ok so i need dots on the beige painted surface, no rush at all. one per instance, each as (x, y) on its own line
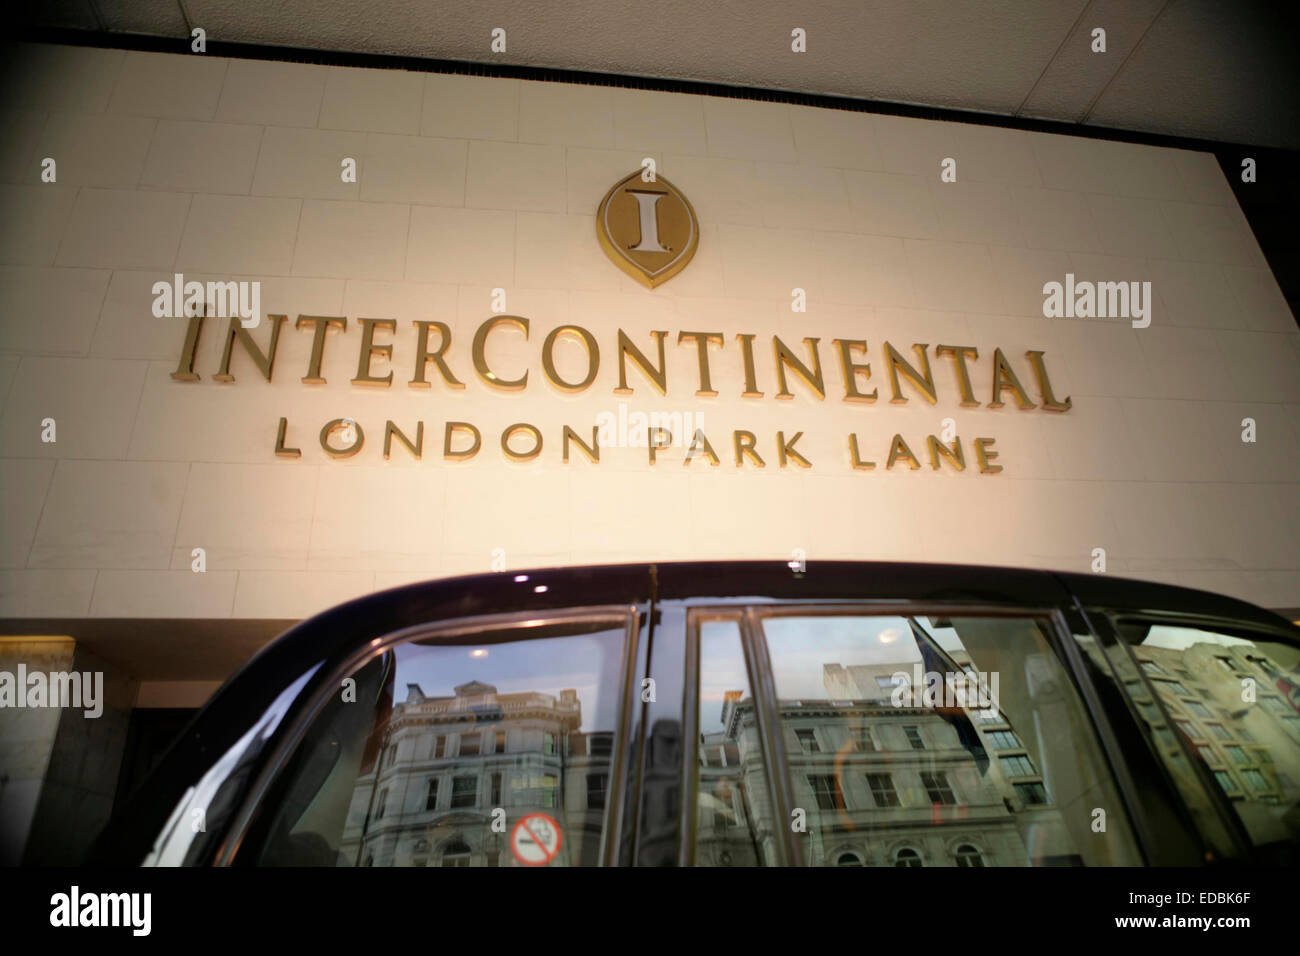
(230, 170)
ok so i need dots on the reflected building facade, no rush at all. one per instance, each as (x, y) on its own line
(879, 784)
(1236, 712)
(449, 764)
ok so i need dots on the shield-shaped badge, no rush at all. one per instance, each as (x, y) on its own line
(648, 229)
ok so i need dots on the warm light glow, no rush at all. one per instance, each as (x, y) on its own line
(521, 577)
(888, 636)
(541, 589)
(478, 652)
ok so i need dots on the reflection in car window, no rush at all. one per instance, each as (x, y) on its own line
(443, 748)
(981, 754)
(734, 825)
(1236, 711)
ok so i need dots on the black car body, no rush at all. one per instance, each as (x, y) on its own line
(745, 713)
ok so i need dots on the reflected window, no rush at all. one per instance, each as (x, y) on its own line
(907, 857)
(937, 789)
(1033, 794)
(596, 784)
(464, 792)
(968, 855)
(414, 779)
(456, 854)
(826, 791)
(1254, 780)
(945, 701)
(883, 793)
(1017, 766)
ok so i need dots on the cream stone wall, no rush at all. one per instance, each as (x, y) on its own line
(229, 169)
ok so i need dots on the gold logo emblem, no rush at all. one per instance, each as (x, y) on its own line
(648, 229)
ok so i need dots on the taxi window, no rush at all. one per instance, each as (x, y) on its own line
(913, 741)
(488, 749)
(1222, 712)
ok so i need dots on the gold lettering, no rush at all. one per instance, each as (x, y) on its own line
(898, 449)
(959, 355)
(1050, 404)
(369, 349)
(282, 450)
(855, 458)
(336, 425)
(592, 451)
(702, 340)
(852, 369)
(1004, 378)
(548, 358)
(785, 450)
(423, 356)
(321, 324)
(391, 430)
(451, 429)
(657, 438)
(658, 376)
(786, 358)
(700, 445)
(984, 456)
(956, 456)
(264, 362)
(185, 366)
(526, 455)
(747, 353)
(744, 442)
(924, 379)
(479, 348)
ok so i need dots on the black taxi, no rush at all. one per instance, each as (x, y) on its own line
(745, 714)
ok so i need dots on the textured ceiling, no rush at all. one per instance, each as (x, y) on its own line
(1213, 69)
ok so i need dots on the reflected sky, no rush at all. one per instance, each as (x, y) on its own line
(1181, 638)
(800, 648)
(586, 663)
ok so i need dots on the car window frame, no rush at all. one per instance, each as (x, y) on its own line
(328, 678)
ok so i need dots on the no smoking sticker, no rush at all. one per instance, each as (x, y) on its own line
(535, 840)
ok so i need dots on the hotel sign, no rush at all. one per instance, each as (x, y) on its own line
(649, 229)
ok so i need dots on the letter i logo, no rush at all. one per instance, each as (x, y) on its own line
(648, 229)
